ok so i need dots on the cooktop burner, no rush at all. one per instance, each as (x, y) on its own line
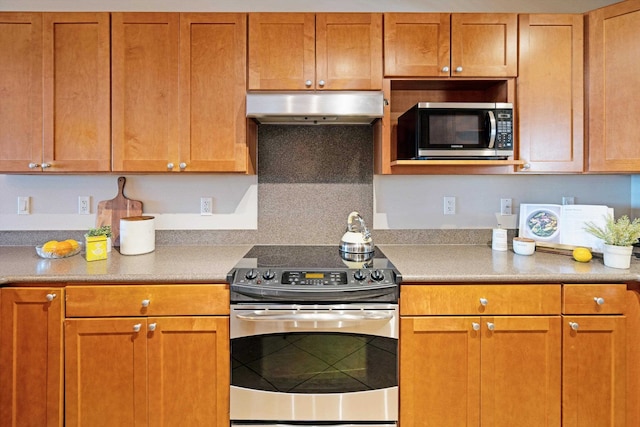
(312, 273)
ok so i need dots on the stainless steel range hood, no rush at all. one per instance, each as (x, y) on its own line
(352, 107)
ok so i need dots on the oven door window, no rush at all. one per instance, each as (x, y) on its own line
(318, 362)
(455, 129)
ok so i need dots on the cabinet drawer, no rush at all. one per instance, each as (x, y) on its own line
(479, 299)
(593, 299)
(141, 300)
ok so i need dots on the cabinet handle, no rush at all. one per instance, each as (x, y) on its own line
(145, 302)
(526, 166)
(170, 165)
(458, 69)
(321, 83)
(475, 326)
(183, 165)
(137, 327)
(308, 83)
(574, 325)
(445, 69)
(599, 300)
(34, 165)
(484, 302)
(50, 297)
(46, 165)
(491, 326)
(152, 327)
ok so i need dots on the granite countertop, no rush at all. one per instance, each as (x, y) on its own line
(210, 264)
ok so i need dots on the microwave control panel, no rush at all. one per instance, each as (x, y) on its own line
(504, 128)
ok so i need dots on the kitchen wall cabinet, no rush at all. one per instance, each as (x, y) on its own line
(480, 355)
(594, 355)
(450, 45)
(306, 51)
(55, 84)
(613, 88)
(178, 90)
(551, 93)
(147, 355)
(31, 355)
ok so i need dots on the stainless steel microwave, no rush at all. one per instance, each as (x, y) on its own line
(455, 130)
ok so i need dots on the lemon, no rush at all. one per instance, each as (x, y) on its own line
(74, 243)
(582, 254)
(50, 246)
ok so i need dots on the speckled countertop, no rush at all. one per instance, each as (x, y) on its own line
(210, 264)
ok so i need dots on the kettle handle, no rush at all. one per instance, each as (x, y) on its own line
(363, 227)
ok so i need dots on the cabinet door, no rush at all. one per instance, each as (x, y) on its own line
(77, 131)
(416, 44)
(281, 51)
(349, 51)
(614, 88)
(106, 372)
(31, 357)
(212, 92)
(593, 371)
(550, 93)
(189, 371)
(521, 371)
(439, 371)
(144, 91)
(21, 89)
(484, 45)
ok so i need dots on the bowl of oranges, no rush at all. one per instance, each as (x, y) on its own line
(59, 249)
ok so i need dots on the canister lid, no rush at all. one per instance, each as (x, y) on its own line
(137, 218)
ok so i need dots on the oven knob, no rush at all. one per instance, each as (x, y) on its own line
(377, 275)
(251, 274)
(268, 275)
(359, 275)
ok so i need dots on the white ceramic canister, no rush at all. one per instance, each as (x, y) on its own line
(499, 239)
(137, 235)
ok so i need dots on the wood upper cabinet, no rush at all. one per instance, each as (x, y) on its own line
(178, 92)
(450, 45)
(614, 88)
(306, 51)
(551, 93)
(55, 111)
(31, 356)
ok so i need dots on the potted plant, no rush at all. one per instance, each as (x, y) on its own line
(618, 237)
(105, 231)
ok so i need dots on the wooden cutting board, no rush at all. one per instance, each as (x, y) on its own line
(111, 211)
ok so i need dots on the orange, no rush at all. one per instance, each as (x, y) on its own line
(63, 248)
(50, 246)
(74, 243)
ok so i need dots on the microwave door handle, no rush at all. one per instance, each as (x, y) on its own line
(493, 131)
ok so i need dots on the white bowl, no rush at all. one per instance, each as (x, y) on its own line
(524, 246)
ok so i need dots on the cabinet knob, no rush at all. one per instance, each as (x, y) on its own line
(321, 83)
(145, 302)
(152, 327)
(308, 83)
(50, 297)
(574, 325)
(484, 302)
(599, 300)
(34, 165)
(183, 165)
(445, 69)
(46, 165)
(475, 326)
(137, 327)
(526, 166)
(458, 69)
(491, 326)
(170, 165)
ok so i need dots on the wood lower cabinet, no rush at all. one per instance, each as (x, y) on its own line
(31, 356)
(594, 356)
(160, 364)
(459, 368)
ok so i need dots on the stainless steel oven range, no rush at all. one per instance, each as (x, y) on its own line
(314, 338)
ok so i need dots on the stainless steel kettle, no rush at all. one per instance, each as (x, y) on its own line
(357, 238)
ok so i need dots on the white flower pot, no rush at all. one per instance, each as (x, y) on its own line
(617, 256)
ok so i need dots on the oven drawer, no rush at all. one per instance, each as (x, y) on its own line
(142, 300)
(416, 300)
(593, 299)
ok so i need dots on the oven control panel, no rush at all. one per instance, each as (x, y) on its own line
(331, 278)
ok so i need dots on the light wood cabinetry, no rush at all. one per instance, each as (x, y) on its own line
(31, 355)
(178, 92)
(551, 93)
(306, 51)
(55, 111)
(147, 355)
(613, 87)
(594, 355)
(480, 355)
(450, 45)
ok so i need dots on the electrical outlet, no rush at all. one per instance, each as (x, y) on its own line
(24, 205)
(206, 206)
(505, 206)
(449, 205)
(84, 205)
(568, 200)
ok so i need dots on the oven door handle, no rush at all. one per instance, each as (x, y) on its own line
(316, 316)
